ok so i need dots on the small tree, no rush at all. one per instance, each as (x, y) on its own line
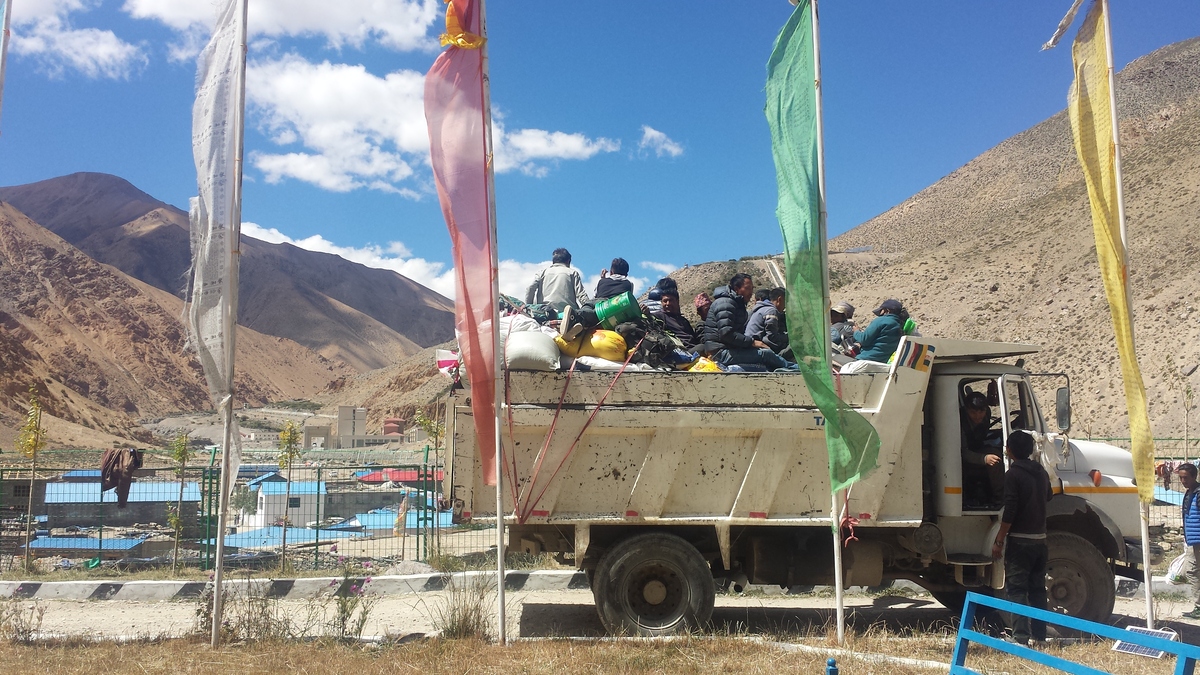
(434, 428)
(181, 452)
(30, 440)
(1179, 379)
(289, 451)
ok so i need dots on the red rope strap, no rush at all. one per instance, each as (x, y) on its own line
(541, 457)
(847, 521)
(575, 442)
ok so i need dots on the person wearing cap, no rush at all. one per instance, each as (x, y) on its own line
(881, 337)
(841, 328)
(1021, 540)
(982, 467)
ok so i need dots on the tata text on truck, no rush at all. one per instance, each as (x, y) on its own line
(682, 481)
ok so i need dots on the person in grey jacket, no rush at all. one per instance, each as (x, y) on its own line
(767, 321)
(558, 285)
(724, 332)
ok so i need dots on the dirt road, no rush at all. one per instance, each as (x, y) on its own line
(571, 613)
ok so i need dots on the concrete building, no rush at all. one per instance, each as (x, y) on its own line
(299, 505)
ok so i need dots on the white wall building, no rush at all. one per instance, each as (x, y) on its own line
(275, 503)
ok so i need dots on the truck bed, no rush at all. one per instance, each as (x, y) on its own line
(688, 448)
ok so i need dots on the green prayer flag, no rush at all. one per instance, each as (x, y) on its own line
(792, 115)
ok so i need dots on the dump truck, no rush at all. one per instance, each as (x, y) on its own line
(665, 486)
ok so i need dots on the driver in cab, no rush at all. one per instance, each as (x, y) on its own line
(983, 468)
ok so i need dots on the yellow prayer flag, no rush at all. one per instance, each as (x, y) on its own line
(1088, 105)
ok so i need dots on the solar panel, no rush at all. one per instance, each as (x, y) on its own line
(1131, 648)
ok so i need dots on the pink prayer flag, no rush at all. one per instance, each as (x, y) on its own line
(454, 111)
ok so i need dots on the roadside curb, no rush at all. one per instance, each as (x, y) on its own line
(407, 584)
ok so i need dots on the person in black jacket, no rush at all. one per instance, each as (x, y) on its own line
(673, 319)
(724, 333)
(614, 280)
(1023, 528)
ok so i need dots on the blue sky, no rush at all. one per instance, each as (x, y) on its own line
(627, 129)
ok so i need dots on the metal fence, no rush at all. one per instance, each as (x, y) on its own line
(1169, 453)
(320, 517)
(332, 509)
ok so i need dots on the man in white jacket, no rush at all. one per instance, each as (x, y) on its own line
(558, 285)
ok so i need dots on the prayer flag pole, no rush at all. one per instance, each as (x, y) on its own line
(229, 330)
(1116, 141)
(4, 32)
(838, 496)
(501, 632)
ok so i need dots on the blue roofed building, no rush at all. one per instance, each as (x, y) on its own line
(84, 505)
(86, 547)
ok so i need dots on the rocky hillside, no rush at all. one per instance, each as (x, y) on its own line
(104, 349)
(1003, 248)
(365, 317)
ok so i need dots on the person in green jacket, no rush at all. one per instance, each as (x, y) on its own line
(881, 337)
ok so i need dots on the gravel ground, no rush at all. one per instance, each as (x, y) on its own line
(572, 613)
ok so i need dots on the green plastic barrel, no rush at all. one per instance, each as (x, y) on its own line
(617, 309)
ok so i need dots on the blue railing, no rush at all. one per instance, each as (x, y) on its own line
(1185, 655)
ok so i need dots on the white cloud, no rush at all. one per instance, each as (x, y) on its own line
(525, 149)
(42, 29)
(394, 256)
(356, 128)
(662, 268)
(515, 276)
(359, 130)
(395, 24)
(659, 143)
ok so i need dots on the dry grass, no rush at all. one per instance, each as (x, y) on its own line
(688, 655)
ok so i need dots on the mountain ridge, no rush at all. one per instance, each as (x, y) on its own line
(366, 317)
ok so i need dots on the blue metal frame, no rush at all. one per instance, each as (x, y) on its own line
(1185, 655)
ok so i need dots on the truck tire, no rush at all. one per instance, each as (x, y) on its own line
(653, 584)
(1079, 581)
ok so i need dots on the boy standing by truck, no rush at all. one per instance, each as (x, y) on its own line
(1191, 528)
(1023, 527)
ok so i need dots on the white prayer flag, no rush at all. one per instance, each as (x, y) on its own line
(216, 212)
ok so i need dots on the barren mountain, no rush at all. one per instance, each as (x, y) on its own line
(366, 317)
(1003, 248)
(104, 349)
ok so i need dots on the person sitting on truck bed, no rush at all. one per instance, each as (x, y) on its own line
(983, 469)
(881, 337)
(841, 328)
(558, 285)
(673, 319)
(724, 333)
(614, 280)
(767, 322)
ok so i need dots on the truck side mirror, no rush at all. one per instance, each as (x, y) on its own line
(1062, 408)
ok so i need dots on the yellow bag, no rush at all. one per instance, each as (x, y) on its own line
(704, 365)
(603, 344)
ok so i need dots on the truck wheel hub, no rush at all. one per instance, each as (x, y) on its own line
(654, 592)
